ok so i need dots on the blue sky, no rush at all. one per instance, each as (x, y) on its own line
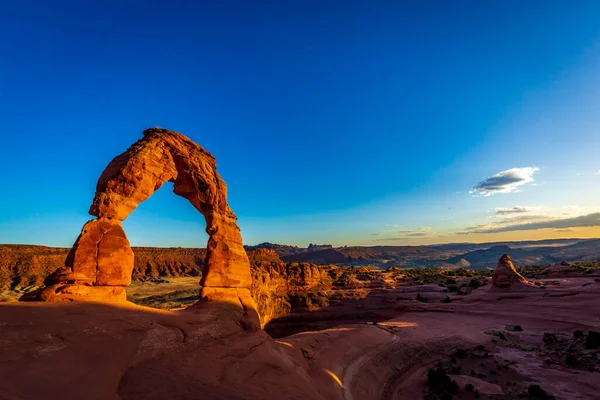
(339, 122)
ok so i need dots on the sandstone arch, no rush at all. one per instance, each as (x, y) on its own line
(100, 263)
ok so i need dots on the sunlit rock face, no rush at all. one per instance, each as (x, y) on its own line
(102, 254)
(102, 257)
(505, 275)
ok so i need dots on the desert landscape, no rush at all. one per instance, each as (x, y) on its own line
(299, 200)
(269, 320)
(330, 332)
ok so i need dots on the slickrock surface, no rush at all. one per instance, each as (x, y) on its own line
(506, 276)
(120, 351)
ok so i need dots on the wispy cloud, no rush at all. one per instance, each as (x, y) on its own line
(505, 182)
(514, 219)
(418, 232)
(515, 210)
(553, 223)
(476, 229)
(397, 235)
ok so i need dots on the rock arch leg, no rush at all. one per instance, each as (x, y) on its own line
(100, 263)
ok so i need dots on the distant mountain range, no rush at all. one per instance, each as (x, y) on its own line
(453, 255)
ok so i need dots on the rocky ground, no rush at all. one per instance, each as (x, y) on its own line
(391, 336)
(476, 343)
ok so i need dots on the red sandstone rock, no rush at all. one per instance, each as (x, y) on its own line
(505, 275)
(102, 253)
(102, 256)
(77, 292)
(162, 156)
(66, 275)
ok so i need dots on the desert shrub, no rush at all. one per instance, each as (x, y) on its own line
(421, 298)
(549, 338)
(592, 340)
(474, 283)
(440, 384)
(498, 334)
(461, 353)
(578, 334)
(514, 328)
(535, 392)
(571, 360)
(447, 300)
(465, 272)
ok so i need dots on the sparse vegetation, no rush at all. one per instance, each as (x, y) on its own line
(499, 334)
(592, 340)
(577, 351)
(441, 386)
(461, 353)
(539, 271)
(170, 300)
(535, 392)
(513, 328)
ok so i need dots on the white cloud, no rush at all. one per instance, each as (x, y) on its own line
(505, 182)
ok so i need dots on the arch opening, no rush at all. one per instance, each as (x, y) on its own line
(166, 221)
